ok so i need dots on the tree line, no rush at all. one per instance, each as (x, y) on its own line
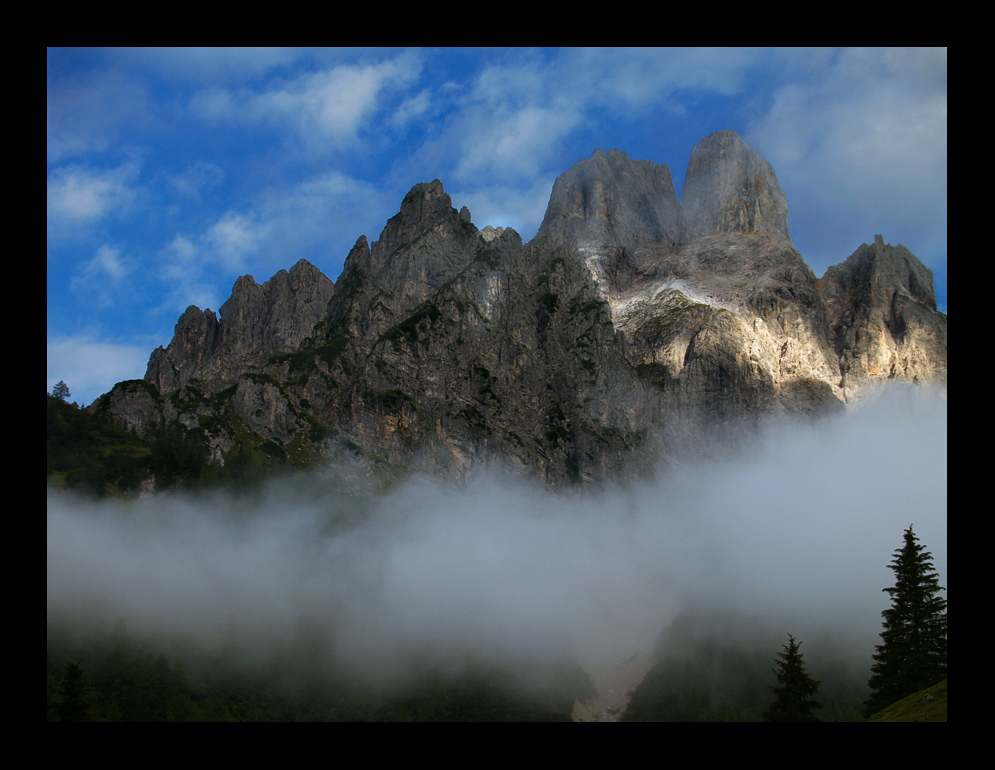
(720, 679)
(91, 454)
(912, 655)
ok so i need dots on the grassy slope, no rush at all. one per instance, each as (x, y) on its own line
(912, 708)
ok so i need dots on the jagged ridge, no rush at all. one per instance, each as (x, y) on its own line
(567, 356)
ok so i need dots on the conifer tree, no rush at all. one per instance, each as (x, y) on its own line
(913, 650)
(794, 690)
(74, 705)
(60, 390)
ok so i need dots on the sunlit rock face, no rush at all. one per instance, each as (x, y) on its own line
(885, 324)
(571, 357)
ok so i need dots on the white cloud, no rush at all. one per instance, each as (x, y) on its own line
(860, 146)
(325, 109)
(81, 196)
(211, 64)
(233, 239)
(102, 276)
(411, 109)
(198, 179)
(108, 263)
(91, 366)
(516, 206)
(225, 248)
(318, 219)
(513, 145)
(187, 275)
(517, 115)
(640, 78)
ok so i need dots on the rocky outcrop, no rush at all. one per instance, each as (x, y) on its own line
(568, 358)
(277, 316)
(722, 258)
(194, 344)
(264, 410)
(424, 245)
(135, 404)
(882, 309)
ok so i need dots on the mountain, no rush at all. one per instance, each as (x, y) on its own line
(630, 316)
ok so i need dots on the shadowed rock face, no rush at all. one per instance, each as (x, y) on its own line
(278, 315)
(569, 357)
(730, 188)
(611, 201)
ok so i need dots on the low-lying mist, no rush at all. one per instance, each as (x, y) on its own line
(793, 531)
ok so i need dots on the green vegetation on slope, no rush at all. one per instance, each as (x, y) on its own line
(718, 669)
(928, 705)
(117, 679)
(92, 454)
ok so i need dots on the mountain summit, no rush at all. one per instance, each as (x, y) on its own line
(730, 188)
(569, 357)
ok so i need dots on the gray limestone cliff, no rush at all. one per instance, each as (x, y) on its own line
(611, 201)
(571, 358)
(885, 324)
(730, 188)
(279, 315)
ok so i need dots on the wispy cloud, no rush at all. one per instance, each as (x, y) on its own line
(88, 112)
(102, 277)
(325, 109)
(197, 180)
(511, 122)
(511, 145)
(80, 195)
(859, 142)
(317, 219)
(202, 66)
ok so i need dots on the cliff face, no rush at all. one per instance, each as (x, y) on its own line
(883, 316)
(279, 315)
(729, 188)
(568, 357)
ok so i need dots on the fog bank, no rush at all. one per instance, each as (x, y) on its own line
(796, 530)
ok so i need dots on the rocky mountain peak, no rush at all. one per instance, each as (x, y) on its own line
(195, 340)
(730, 188)
(880, 269)
(445, 345)
(426, 206)
(610, 200)
(421, 247)
(277, 315)
(882, 308)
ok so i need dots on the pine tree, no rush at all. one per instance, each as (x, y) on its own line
(74, 705)
(913, 650)
(795, 688)
(60, 390)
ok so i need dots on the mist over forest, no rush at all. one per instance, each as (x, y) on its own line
(792, 529)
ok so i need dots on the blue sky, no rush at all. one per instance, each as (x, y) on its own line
(171, 172)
